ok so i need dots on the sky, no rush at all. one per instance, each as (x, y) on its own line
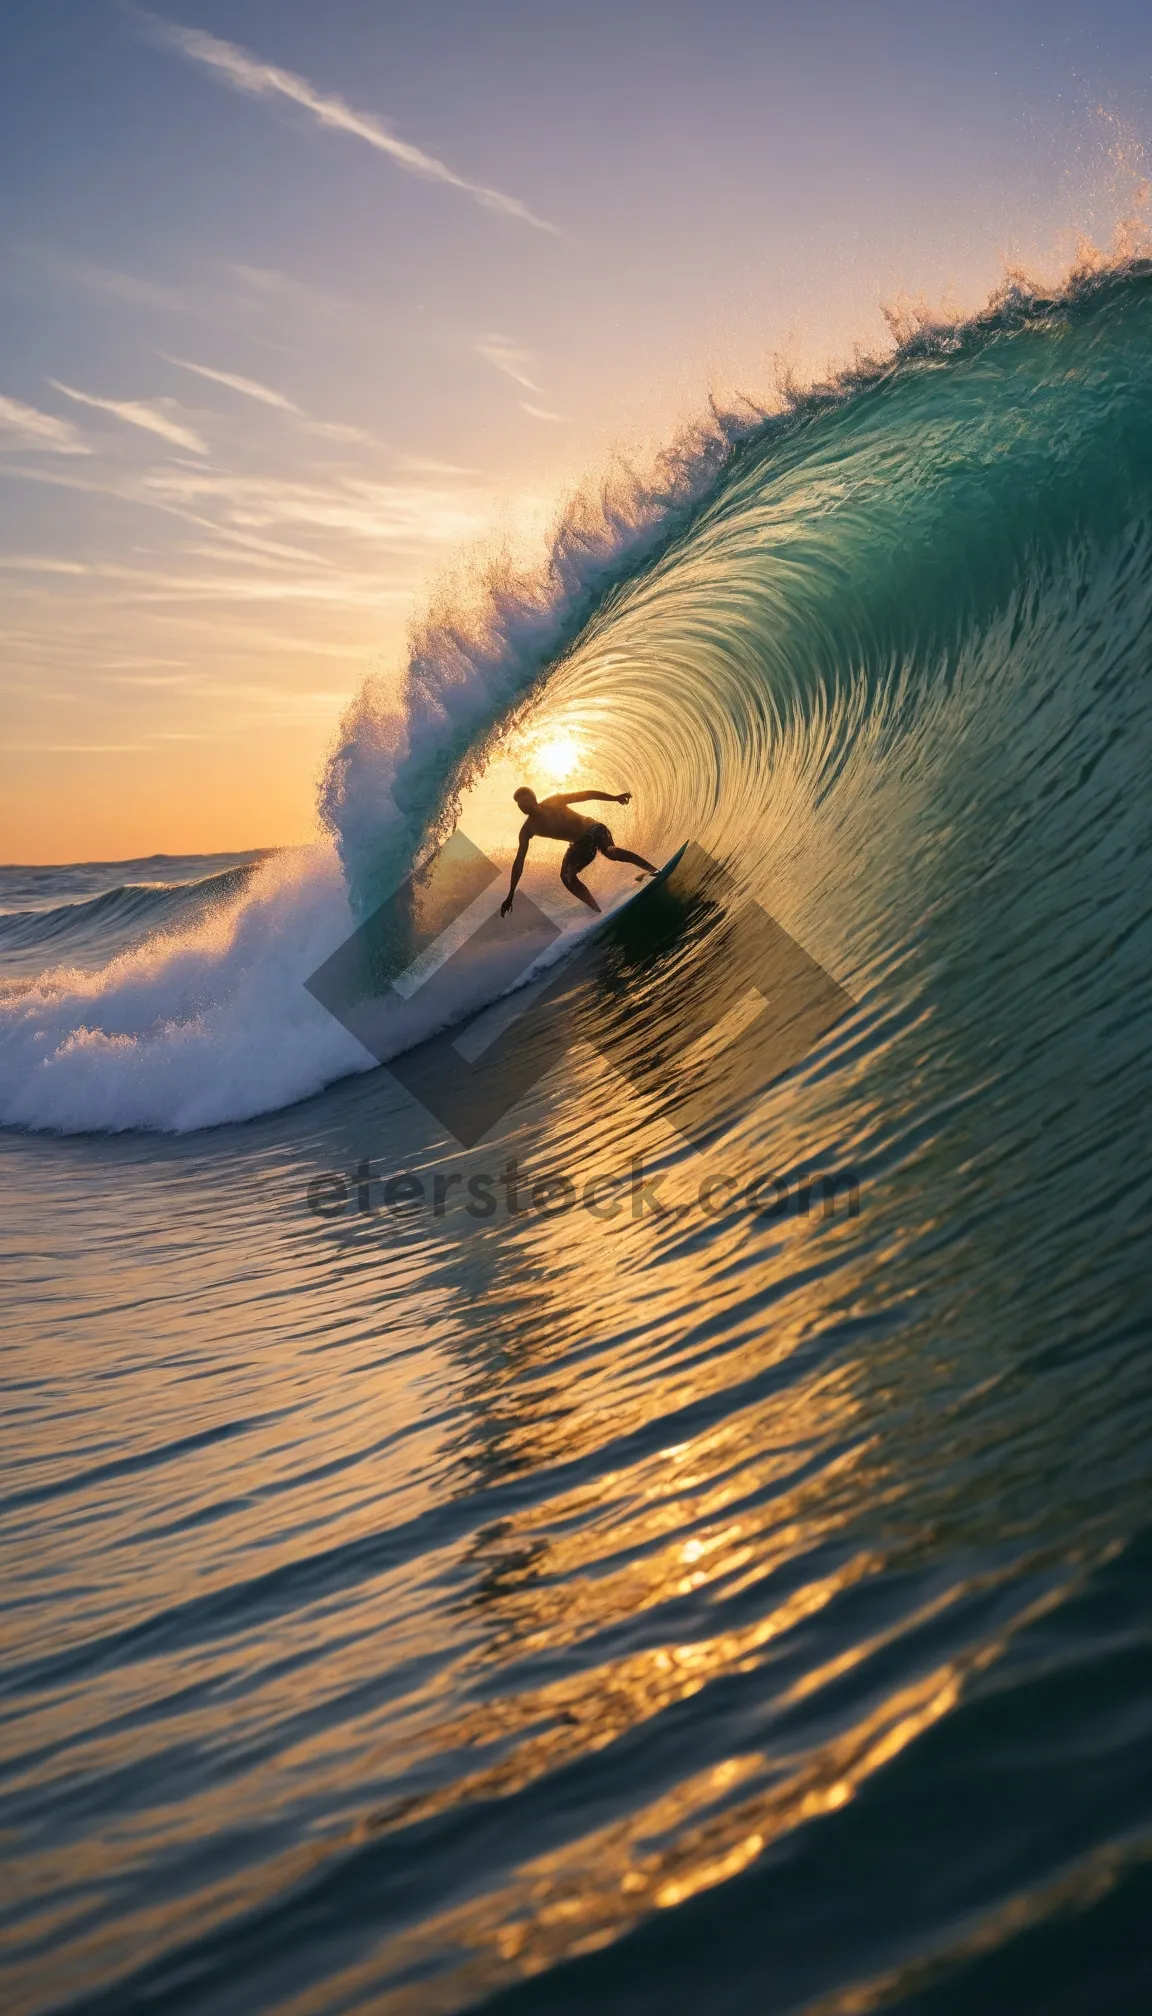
(304, 310)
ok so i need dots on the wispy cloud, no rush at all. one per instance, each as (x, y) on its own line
(336, 430)
(539, 412)
(517, 364)
(408, 514)
(508, 357)
(257, 79)
(427, 465)
(138, 414)
(144, 585)
(23, 427)
(130, 287)
(34, 563)
(282, 293)
(250, 387)
(249, 510)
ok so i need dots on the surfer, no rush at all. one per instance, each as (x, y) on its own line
(554, 819)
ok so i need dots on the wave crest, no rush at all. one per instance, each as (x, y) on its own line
(392, 783)
(772, 603)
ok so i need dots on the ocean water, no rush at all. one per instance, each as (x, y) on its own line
(594, 1588)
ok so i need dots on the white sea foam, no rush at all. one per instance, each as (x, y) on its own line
(213, 1023)
(190, 1029)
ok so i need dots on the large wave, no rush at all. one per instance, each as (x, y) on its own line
(826, 640)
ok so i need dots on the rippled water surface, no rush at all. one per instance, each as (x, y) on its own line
(640, 1602)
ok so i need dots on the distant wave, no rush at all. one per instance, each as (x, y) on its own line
(128, 908)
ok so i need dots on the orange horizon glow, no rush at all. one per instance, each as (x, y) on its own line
(240, 460)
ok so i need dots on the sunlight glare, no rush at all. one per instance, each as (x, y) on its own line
(557, 759)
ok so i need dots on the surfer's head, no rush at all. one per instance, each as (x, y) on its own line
(525, 798)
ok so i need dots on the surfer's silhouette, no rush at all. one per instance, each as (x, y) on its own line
(554, 819)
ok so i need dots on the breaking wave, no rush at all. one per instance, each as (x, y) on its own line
(798, 640)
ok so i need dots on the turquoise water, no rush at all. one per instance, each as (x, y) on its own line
(662, 1608)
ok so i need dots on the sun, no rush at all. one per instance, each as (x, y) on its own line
(557, 759)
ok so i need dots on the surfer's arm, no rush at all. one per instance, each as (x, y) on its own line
(608, 797)
(517, 870)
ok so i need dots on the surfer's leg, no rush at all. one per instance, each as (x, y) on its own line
(624, 854)
(578, 856)
(574, 883)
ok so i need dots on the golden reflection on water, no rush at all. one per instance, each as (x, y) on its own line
(640, 1569)
(643, 1566)
(711, 1826)
(572, 1901)
(730, 1507)
(632, 1315)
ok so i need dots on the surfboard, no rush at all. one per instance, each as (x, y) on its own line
(650, 881)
